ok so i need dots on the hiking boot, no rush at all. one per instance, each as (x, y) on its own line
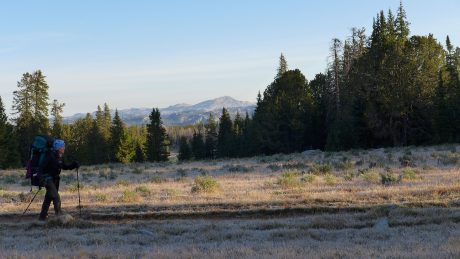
(42, 218)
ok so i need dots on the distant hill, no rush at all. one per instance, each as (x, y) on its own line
(180, 114)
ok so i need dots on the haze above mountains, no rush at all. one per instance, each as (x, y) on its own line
(180, 114)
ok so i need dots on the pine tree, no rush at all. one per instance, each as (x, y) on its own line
(281, 115)
(283, 66)
(225, 138)
(139, 156)
(56, 111)
(30, 105)
(184, 149)
(116, 133)
(211, 137)
(157, 145)
(127, 148)
(401, 24)
(198, 146)
(9, 157)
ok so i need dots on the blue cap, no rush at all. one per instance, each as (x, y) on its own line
(58, 144)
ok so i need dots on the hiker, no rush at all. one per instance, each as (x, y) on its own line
(49, 178)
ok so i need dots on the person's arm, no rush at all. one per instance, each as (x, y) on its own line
(70, 166)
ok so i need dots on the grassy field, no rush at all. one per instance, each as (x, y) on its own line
(401, 202)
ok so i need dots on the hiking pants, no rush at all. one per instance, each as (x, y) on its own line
(52, 188)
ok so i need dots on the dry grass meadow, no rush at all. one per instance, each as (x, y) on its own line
(399, 202)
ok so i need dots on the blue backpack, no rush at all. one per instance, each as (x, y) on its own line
(41, 145)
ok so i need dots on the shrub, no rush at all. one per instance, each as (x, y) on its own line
(171, 193)
(348, 176)
(320, 169)
(182, 172)
(448, 159)
(143, 190)
(122, 183)
(113, 175)
(294, 165)
(371, 176)
(237, 168)
(129, 196)
(289, 180)
(274, 167)
(100, 197)
(309, 178)
(409, 174)
(346, 165)
(390, 178)
(137, 170)
(156, 179)
(103, 174)
(205, 184)
(11, 179)
(407, 160)
(330, 179)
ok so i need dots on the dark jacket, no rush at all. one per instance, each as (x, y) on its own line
(52, 166)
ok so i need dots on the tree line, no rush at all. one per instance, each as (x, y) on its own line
(383, 90)
(97, 140)
(388, 89)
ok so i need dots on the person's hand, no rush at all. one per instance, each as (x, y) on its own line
(75, 164)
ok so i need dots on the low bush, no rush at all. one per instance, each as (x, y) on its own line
(448, 159)
(348, 176)
(289, 180)
(101, 197)
(407, 160)
(143, 190)
(275, 167)
(156, 179)
(237, 168)
(309, 178)
(128, 196)
(371, 176)
(390, 178)
(409, 174)
(345, 165)
(122, 183)
(205, 184)
(330, 179)
(320, 169)
(137, 170)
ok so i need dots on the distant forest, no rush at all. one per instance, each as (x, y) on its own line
(388, 89)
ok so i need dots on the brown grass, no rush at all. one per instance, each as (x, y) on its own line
(429, 176)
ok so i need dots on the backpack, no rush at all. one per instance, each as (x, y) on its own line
(41, 145)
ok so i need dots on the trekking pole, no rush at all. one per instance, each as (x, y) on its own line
(78, 188)
(30, 202)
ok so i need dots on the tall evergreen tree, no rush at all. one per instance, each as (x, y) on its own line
(56, 111)
(283, 66)
(126, 149)
(139, 156)
(30, 105)
(211, 137)
(116, 133)
(9, 157)
(283, 114)
(157, 145)
(225, 138)
(402, 25)
(198, 146)
(184, 149)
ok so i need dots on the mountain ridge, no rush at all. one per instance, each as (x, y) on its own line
(179, 114)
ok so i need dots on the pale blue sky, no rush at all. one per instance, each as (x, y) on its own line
(159, 53)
